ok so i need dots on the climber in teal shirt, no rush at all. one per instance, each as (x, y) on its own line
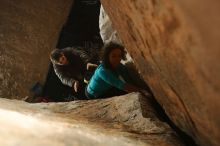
(111, 78)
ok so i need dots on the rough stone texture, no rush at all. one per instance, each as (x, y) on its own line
(28, 32)
(175, 45)
(127, 120)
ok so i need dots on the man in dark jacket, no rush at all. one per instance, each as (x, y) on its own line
(71, 64)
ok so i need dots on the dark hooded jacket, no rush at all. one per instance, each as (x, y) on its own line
(76, 68)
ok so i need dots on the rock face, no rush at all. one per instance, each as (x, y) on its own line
(175, 45)
(28, 32)
(127, 120)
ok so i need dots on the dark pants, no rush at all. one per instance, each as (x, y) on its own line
(113, 92)
(109, 93)
(80, 95)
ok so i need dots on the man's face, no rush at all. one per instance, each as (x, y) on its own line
(63, 60)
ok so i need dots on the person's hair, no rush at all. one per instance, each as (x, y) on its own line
(55, 55)
(107, 49)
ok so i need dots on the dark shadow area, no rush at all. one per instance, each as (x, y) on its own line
(161, 114)
(81, 29)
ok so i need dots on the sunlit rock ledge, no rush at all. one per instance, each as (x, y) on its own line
(113, 121)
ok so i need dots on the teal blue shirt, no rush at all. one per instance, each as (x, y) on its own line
(104, 79)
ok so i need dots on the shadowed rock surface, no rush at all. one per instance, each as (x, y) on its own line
(28, 32)
(175, 45)
(127, 120)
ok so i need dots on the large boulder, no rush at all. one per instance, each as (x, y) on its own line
(28, 32)
(175, 45)
(127, 120)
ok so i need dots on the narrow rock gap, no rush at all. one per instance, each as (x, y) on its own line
(186, 139)
(81, 29)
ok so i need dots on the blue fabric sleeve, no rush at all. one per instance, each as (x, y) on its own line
(111, 79)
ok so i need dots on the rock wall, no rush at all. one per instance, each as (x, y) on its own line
(118, 121)
(28, 32)
(175, 45)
